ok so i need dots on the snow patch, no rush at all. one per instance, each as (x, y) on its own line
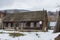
(30, 35)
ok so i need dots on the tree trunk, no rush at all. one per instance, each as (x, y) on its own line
(57, 28)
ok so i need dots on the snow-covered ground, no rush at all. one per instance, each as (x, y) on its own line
(29, 35)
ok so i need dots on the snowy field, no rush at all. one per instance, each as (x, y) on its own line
(29, 35)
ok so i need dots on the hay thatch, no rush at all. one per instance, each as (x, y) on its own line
(26, 16)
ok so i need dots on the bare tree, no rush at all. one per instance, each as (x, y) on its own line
(57, 28)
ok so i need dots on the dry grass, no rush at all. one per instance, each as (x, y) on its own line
(16, 34)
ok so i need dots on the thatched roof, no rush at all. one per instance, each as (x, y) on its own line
(26, 16)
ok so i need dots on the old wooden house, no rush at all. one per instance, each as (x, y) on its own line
(26, 20)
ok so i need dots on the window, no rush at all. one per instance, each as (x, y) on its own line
(52, 23)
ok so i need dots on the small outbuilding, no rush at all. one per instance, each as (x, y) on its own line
(26, 20)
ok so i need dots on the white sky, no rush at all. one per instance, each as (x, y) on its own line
(30, 4)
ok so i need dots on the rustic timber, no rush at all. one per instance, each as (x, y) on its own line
(26, 20)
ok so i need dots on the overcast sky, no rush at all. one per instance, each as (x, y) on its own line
(30, 4)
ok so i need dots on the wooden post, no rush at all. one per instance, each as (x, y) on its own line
(14, 26)
(0, 22)
(24, 24)
(21, 26)
(4, 25)
(9, 25)
(57, 27)
(44, 28)
(37, 24)
(32, 24)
